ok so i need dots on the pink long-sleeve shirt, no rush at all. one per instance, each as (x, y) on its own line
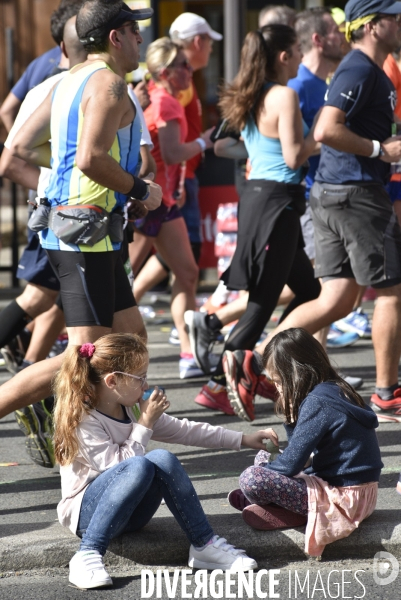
(105, 442)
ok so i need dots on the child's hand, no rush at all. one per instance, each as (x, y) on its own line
(255, 440)
(153, 408)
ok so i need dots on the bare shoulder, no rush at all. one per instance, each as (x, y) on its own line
(108, 86)
(282, 94)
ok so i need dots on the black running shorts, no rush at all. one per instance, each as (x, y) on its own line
(93, 286)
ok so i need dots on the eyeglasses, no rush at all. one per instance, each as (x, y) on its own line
(143, 379)
(134, 25)
(182, 65)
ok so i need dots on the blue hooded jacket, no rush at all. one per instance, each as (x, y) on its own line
(341, 435)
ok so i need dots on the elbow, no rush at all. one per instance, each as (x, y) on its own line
(294, 161)
(170, 158)
(17, 150)
(320, 135)
(85, 162)
(219, 150)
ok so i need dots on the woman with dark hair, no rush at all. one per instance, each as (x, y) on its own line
(328, 475)
(269, 250)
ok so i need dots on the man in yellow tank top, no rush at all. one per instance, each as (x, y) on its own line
(96, 294)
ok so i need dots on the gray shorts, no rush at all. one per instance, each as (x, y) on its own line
(356, 234)
(308, 232)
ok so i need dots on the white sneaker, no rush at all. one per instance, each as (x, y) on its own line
(87, 570)
(220, 555)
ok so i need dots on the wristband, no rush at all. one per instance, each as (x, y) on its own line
(201, 143)
(376, 149)
(140, 190)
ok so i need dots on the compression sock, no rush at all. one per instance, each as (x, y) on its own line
(13, 320)
(213, 322)
(387, 393)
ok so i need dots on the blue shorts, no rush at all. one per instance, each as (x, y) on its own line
(394, 190)
(34, 265)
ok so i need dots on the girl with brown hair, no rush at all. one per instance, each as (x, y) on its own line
(328, 475)
(109, 485)
(269, 250)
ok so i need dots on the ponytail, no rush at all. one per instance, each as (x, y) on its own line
(242, 97)
(75, 385)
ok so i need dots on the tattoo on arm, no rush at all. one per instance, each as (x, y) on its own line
(118, 89)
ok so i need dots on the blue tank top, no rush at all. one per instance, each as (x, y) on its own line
(68, 185)
(266, 155)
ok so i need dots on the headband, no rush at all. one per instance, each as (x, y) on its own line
(87, 350)
(356, 24)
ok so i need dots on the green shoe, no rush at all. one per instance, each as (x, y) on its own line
(36, 423)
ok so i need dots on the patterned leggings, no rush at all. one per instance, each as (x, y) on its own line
(263, 486)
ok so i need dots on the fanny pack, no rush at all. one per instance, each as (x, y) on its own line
(79, 224)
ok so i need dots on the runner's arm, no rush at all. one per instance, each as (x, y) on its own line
(148, 162)
(229, 147)
(295, 147)
(332, 131)
(31, 143)
(18, 170)
(106, 109)
(172, 149)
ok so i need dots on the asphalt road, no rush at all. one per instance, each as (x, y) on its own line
(35, 550)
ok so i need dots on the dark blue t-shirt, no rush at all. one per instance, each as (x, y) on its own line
(37, 71)
(363, 91)
(311, 91)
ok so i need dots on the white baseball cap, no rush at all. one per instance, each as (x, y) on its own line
(188, 25)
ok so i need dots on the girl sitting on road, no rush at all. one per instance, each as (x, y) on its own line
(329, 428)
(109, 485)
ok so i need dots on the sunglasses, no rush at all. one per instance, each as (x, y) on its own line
(143, 379)
(134, 25)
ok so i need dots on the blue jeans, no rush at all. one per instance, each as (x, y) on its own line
(124, 498)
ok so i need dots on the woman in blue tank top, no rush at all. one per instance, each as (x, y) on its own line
(269, 251)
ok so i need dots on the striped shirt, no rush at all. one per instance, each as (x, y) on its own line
(68, 185)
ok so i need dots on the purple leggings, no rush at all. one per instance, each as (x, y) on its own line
(262, 486)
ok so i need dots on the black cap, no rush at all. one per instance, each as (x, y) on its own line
(355, 9)
(128, 14)
(125, 14)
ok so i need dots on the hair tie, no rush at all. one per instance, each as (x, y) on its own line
(87, 350)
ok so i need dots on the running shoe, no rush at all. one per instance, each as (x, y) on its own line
(398, 488)
(188, 367)
(241, 380)
(265, 387)
(387, 411)
(36, 423)
(59, 346)
(271, 516)
(357, 322)
(13, 354)
(337, 339)
(216, 400)
(201, 339)
(173, 339)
